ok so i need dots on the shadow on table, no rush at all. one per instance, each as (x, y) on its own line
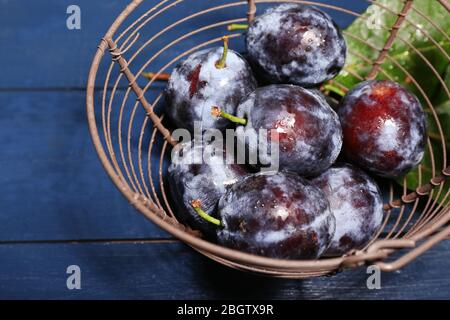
(225, 283)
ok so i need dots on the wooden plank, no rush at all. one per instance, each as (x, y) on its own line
(39, 51)
(174, 271)
(53, 185)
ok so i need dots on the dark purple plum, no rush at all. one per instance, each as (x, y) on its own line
(294, 43)
(304, 128)
(356, 203)
(199, 83)
(384, 128)
(197, 173)
(277, 215)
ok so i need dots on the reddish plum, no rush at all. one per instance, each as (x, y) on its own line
(384, 128)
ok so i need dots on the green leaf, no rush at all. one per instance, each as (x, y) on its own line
(374, 28)
(443, 113)
(408, 51)
(441, 96)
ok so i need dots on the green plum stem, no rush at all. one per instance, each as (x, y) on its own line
(219, 113)
(196, 204)
(334, 89)
(222, 63)
(237, 26)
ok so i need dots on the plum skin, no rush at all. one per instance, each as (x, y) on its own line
(356, 202)
(384, 128)
(308, 131)
(196, 85)
(189, 180)
(298, 44)
(277, 215)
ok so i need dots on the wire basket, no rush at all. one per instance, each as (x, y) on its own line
(127, 128)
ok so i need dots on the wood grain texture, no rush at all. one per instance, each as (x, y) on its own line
(174, 271)
(52, 183)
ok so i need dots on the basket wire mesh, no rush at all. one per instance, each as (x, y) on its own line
(127, 139)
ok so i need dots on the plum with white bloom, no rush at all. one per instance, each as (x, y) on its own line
(279, 215)
(356, 203)
(300, 123)
(200, 173)
(207, 78)
(294, 43)
(384, 128)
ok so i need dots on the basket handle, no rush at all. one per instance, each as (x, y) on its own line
(403, 243)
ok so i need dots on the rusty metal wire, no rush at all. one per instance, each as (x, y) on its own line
(127, 157)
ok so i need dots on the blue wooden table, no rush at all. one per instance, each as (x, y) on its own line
(58, 207)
